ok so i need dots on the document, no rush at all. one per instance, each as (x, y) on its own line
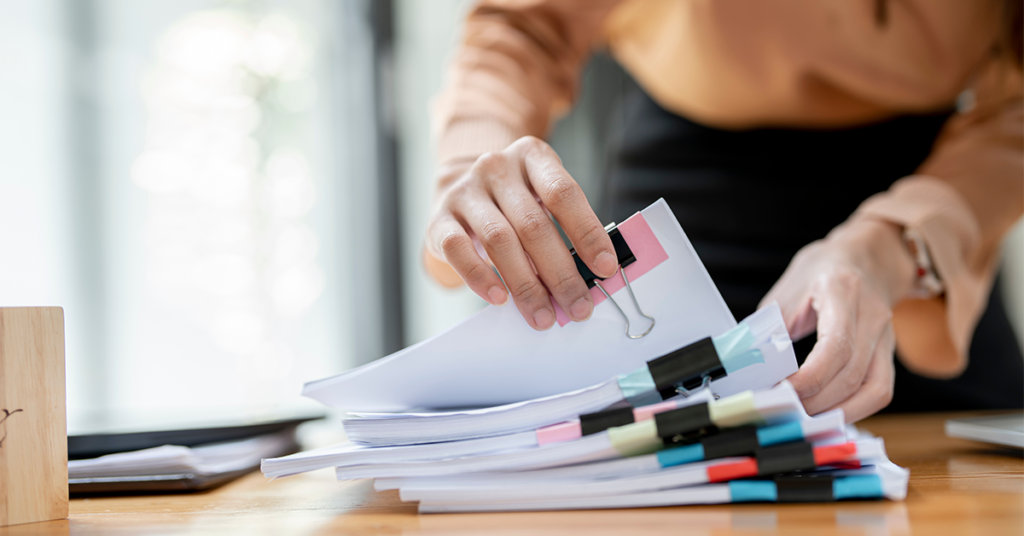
(880, 480)
(494, 357)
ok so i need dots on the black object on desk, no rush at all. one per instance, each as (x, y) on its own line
(111, 433)
(131, 437)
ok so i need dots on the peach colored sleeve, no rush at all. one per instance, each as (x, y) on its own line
(517, 66)
(962, 201)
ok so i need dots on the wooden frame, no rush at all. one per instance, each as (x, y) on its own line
(33, 425)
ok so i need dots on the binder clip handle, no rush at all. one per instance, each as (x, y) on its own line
(635, 302)
(704, 383)
(625, 257)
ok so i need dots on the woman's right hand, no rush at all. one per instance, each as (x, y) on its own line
(501, 202)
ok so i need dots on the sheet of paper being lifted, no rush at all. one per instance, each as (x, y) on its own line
(494, 357)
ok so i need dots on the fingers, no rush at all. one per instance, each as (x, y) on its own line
(877, 391)
(837, 326)
(803, 322)
(567, 202)
(832, 285)
(852, 322)
(500, 201)
(540, 239)
(447, 237)
(503, 247)
(792, 295)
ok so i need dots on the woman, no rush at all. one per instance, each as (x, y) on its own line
(823, 135)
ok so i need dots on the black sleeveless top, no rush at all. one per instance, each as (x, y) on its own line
(749, 200)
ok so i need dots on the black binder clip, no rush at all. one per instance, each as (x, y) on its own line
(684, 425)
(785, 458)
(808, 487)
(625, 257)
(687, 369)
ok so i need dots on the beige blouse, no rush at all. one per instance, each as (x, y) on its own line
(740, 64)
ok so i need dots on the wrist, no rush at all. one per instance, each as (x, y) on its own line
(878, 248)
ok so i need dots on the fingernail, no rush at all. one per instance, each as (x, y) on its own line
(581, 310)
(543, 319)
(498, 296)
(606, 264)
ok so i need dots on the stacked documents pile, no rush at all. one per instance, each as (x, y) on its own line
(695, 412)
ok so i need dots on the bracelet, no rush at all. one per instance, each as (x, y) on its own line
(928, 283)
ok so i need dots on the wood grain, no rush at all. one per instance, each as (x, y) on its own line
(33, 429)
(956, 487)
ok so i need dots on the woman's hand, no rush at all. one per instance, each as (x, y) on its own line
(845, 287)
(501, 202)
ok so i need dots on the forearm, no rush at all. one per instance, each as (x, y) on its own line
(962, 213)
(517, 67)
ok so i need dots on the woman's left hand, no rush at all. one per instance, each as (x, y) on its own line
(845, 286)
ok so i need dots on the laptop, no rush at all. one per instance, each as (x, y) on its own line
(1005, 429)
(219, 432)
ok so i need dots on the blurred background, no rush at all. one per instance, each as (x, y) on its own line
(228, 197)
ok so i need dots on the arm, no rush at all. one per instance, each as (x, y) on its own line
(963, 200)
(516, 68)
(855, 286)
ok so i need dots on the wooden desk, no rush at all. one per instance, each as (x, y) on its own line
(956, 487)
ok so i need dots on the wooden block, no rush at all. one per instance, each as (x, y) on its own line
(33, 427)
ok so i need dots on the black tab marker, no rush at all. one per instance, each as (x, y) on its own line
(686, 368)
(805, 488)
(593, 423)
(736, 442)
(625, 257)
(684, 424)
(785, 458)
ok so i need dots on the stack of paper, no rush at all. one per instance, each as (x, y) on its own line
(761, 443)
(881, 480)
(698, 411)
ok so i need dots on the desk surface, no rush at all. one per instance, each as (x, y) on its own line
(956, 487)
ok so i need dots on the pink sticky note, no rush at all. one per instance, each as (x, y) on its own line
(646, 249)
(557, 433)
(646, 413)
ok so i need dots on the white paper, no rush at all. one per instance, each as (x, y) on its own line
(412, 428)
(894, 487)
(705, 494)
(495, 358)
(173, 459)
(347, 454)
